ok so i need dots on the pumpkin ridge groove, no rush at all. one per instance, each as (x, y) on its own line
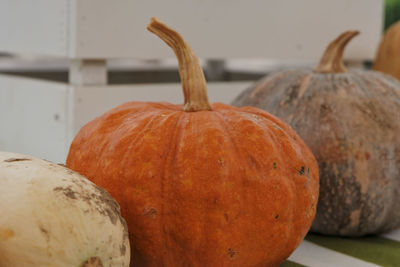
(363, 81)
(304, 81)
(388, 83)
(290, 184)
(106, 144)
(267, 131)
(273, 135)
(227, 129)
(129, 110)
(133, 143)
(171, 148)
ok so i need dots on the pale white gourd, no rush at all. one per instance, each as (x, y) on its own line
(52, 216)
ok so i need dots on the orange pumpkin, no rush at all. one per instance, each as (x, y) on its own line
(201, 185)
(387, 59)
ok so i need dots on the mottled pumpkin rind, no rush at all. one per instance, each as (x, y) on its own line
(351, 123)
(228, 187)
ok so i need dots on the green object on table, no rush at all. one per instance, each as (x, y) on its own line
(392, 12)
(375, 249)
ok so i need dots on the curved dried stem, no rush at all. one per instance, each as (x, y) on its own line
(332, 59)
(192, 77)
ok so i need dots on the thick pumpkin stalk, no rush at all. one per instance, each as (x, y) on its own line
(332, 59)
(192, 77)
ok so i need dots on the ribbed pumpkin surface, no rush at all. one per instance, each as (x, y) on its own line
(200, 184)
(228, 187)
(351, 122)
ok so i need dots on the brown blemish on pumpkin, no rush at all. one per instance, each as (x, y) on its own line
(110, 214)
(123, 249)
(302, 170)
(102, 201)
(125, 234)
(253, 162)
(150, 212)
(324, 110)
(45, 232)
(232, 253)
(112, 207)
(221, 162)
(6, 233)
(276, 216)
(16, 159)
(291, 95)
(67, 191)
(226, 217)
(92, 262)
(274, 165)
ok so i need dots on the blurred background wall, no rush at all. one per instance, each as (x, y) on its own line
(62, 63)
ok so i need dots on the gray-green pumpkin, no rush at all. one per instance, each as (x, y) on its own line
(351, 122)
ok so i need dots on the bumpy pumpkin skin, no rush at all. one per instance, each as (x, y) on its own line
(351, 122)
(387, 59)
(227, 187)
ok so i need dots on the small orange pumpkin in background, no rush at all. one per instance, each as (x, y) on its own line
(387, 58)
(201, 184)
